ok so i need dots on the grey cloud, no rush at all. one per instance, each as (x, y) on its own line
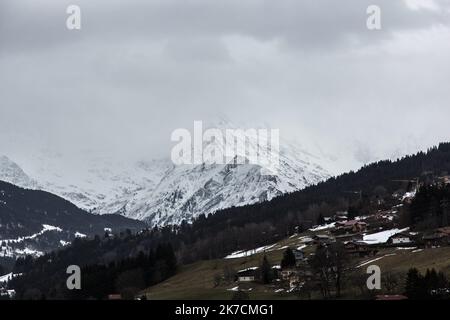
(303, 24)
(140, 69)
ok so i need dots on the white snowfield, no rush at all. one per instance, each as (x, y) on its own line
(242, 254)
(381, 237)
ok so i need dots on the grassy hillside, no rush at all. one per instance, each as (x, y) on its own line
(196, 281)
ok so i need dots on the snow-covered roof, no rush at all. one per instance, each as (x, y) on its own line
(248, 269)
(381, 237)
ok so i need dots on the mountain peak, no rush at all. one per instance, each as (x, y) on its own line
(12, 173)
(162, 193)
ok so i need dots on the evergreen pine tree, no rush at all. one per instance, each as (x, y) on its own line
(266, 271)
(320, 219)
(288, 260)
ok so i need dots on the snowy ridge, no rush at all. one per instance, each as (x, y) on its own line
(23, 246)
(159, 192)
(12, 173)
(45, 228)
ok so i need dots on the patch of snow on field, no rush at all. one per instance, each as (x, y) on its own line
(376, 259)
(305, 239)
(370, 261)
(248, 253)
(390, 254)
(234, 289)
(248, 269)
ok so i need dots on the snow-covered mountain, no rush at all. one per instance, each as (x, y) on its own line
(11, 172)
(186, 191)
(160, 192)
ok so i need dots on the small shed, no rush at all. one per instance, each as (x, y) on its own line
(247, 275)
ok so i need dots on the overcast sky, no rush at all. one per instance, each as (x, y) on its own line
(137, 70)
